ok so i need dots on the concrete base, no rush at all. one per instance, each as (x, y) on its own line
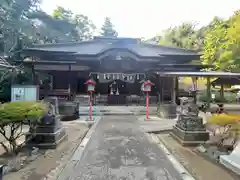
(48, 133)
(189, 138)
(94, 118)
(47, 140)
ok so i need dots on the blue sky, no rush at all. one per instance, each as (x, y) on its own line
(146, 18)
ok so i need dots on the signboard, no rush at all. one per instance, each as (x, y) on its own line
(147, 88)
(24, 93)
(91, 87)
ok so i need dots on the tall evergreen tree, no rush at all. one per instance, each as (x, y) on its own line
(108, 29)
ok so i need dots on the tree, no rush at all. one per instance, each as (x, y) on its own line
(13, 116)
(23, 23)
(183, 36)
(81, 28)
(222, 44)
(108, 29)
(214, 43)
(13, 21)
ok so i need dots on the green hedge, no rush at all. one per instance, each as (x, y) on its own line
(229, 97)
(20, 111)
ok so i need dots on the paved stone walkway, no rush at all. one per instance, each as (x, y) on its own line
(119, 150)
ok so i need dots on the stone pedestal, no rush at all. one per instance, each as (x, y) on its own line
(167, 111)
(189, 129)
(49, 131)
(232, 161)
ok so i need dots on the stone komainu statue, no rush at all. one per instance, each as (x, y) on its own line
(188, 117)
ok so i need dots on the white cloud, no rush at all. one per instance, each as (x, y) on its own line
(145, 18)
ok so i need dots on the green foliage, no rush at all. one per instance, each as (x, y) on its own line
(219, 41)
(222, 119)
(13, 116)
(81, 27)
(21, 111)
(108, 29)
(184, 36)
(229, 97)
(227, 124)
(222, 44)
(23, 19)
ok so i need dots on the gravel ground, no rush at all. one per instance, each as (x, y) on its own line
(50, 164)
(199, 167)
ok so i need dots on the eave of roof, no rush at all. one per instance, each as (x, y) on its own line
(226, 81)
(199, 74)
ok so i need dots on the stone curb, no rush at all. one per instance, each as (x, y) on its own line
(185, 175)
(80, 149)
(78, 154)
(55, 172)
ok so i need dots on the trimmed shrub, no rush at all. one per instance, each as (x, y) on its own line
(229, 122)
(13, 116)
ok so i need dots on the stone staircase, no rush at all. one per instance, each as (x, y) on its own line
(83, 100)
(99, 110)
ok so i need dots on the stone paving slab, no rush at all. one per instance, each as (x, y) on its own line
(119, 150)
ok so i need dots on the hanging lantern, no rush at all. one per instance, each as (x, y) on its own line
(137, 76)
(117, 92)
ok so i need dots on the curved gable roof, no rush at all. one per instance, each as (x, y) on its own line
(99, 45)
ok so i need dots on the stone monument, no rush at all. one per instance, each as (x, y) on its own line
(49, 131)
(232, 161)
(189, 129)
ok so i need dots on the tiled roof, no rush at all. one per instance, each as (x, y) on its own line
(99, 45)
(201, 74)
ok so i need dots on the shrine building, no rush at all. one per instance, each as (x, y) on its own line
(118, 66)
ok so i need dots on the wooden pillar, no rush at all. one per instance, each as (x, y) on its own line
(194, 89)
(222, 92)
(33, 75)
(174, 90)
(161, 91)
(177, 89)
(208, 92)
(69, 81)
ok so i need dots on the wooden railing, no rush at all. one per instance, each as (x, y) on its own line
(60, 93)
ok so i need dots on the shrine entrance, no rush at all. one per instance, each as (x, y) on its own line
(118, 88)
(118, 66)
